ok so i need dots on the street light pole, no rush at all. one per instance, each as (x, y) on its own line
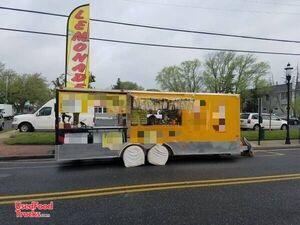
(288, 70)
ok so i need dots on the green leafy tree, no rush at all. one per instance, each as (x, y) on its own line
(31, 88)
(18, 89)
(7, 78)
(184, 78)
(296, 107)
(225, 72)
(219, 72)
(126, 85)
(262, 88)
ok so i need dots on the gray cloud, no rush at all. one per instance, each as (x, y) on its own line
(34, 53)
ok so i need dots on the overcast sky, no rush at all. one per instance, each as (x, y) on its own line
(27, 53)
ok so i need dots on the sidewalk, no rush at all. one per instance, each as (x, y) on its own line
(275, 144)
(23, 151)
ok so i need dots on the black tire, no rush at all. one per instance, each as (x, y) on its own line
(25, 127)
(283, 127)
(256, 127)
(2, 126)
(296, 122)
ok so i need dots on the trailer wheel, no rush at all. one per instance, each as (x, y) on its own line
(133, 156)
(158, 155)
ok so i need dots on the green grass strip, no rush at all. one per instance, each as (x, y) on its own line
(34, 138)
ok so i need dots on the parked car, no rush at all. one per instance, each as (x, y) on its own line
(250, 121)
(1, 122)
(292, 120)
(44, 119)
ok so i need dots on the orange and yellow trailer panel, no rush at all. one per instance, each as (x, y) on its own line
(136, 124)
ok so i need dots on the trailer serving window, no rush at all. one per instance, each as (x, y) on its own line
(159, 111)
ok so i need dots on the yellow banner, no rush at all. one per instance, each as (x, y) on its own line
(77, 51)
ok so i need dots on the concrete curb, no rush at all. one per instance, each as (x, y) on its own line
(257, 148)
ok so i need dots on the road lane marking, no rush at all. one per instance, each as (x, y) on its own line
(269, 153)
(277, 153)
(144, 188)
(154, 184)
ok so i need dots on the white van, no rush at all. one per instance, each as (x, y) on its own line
(7, 111)
(43, 119)
(250, 121)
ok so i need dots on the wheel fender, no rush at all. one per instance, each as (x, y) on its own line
(19, 125)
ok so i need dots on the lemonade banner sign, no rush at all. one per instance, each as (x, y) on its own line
(77, 48)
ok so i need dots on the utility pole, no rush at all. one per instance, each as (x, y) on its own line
(6, 90)
(259, 120)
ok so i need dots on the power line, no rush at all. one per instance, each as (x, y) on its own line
(274, 3)
(210, 8)
(32, 32)
(33, 11)
(198, 32)
(158, 45)
(162, 28)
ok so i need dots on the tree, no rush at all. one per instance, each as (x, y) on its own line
(126, 85)
(184, 78)
(92, 79)
(7, 78)
(262, 88)
(60, 81)
(219, 72)
(296, 107)
(31, 88)
(225, 72)
(18, 89)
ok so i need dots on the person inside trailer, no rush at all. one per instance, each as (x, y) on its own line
(64, 116)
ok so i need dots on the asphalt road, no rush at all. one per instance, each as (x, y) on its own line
(236, 190)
